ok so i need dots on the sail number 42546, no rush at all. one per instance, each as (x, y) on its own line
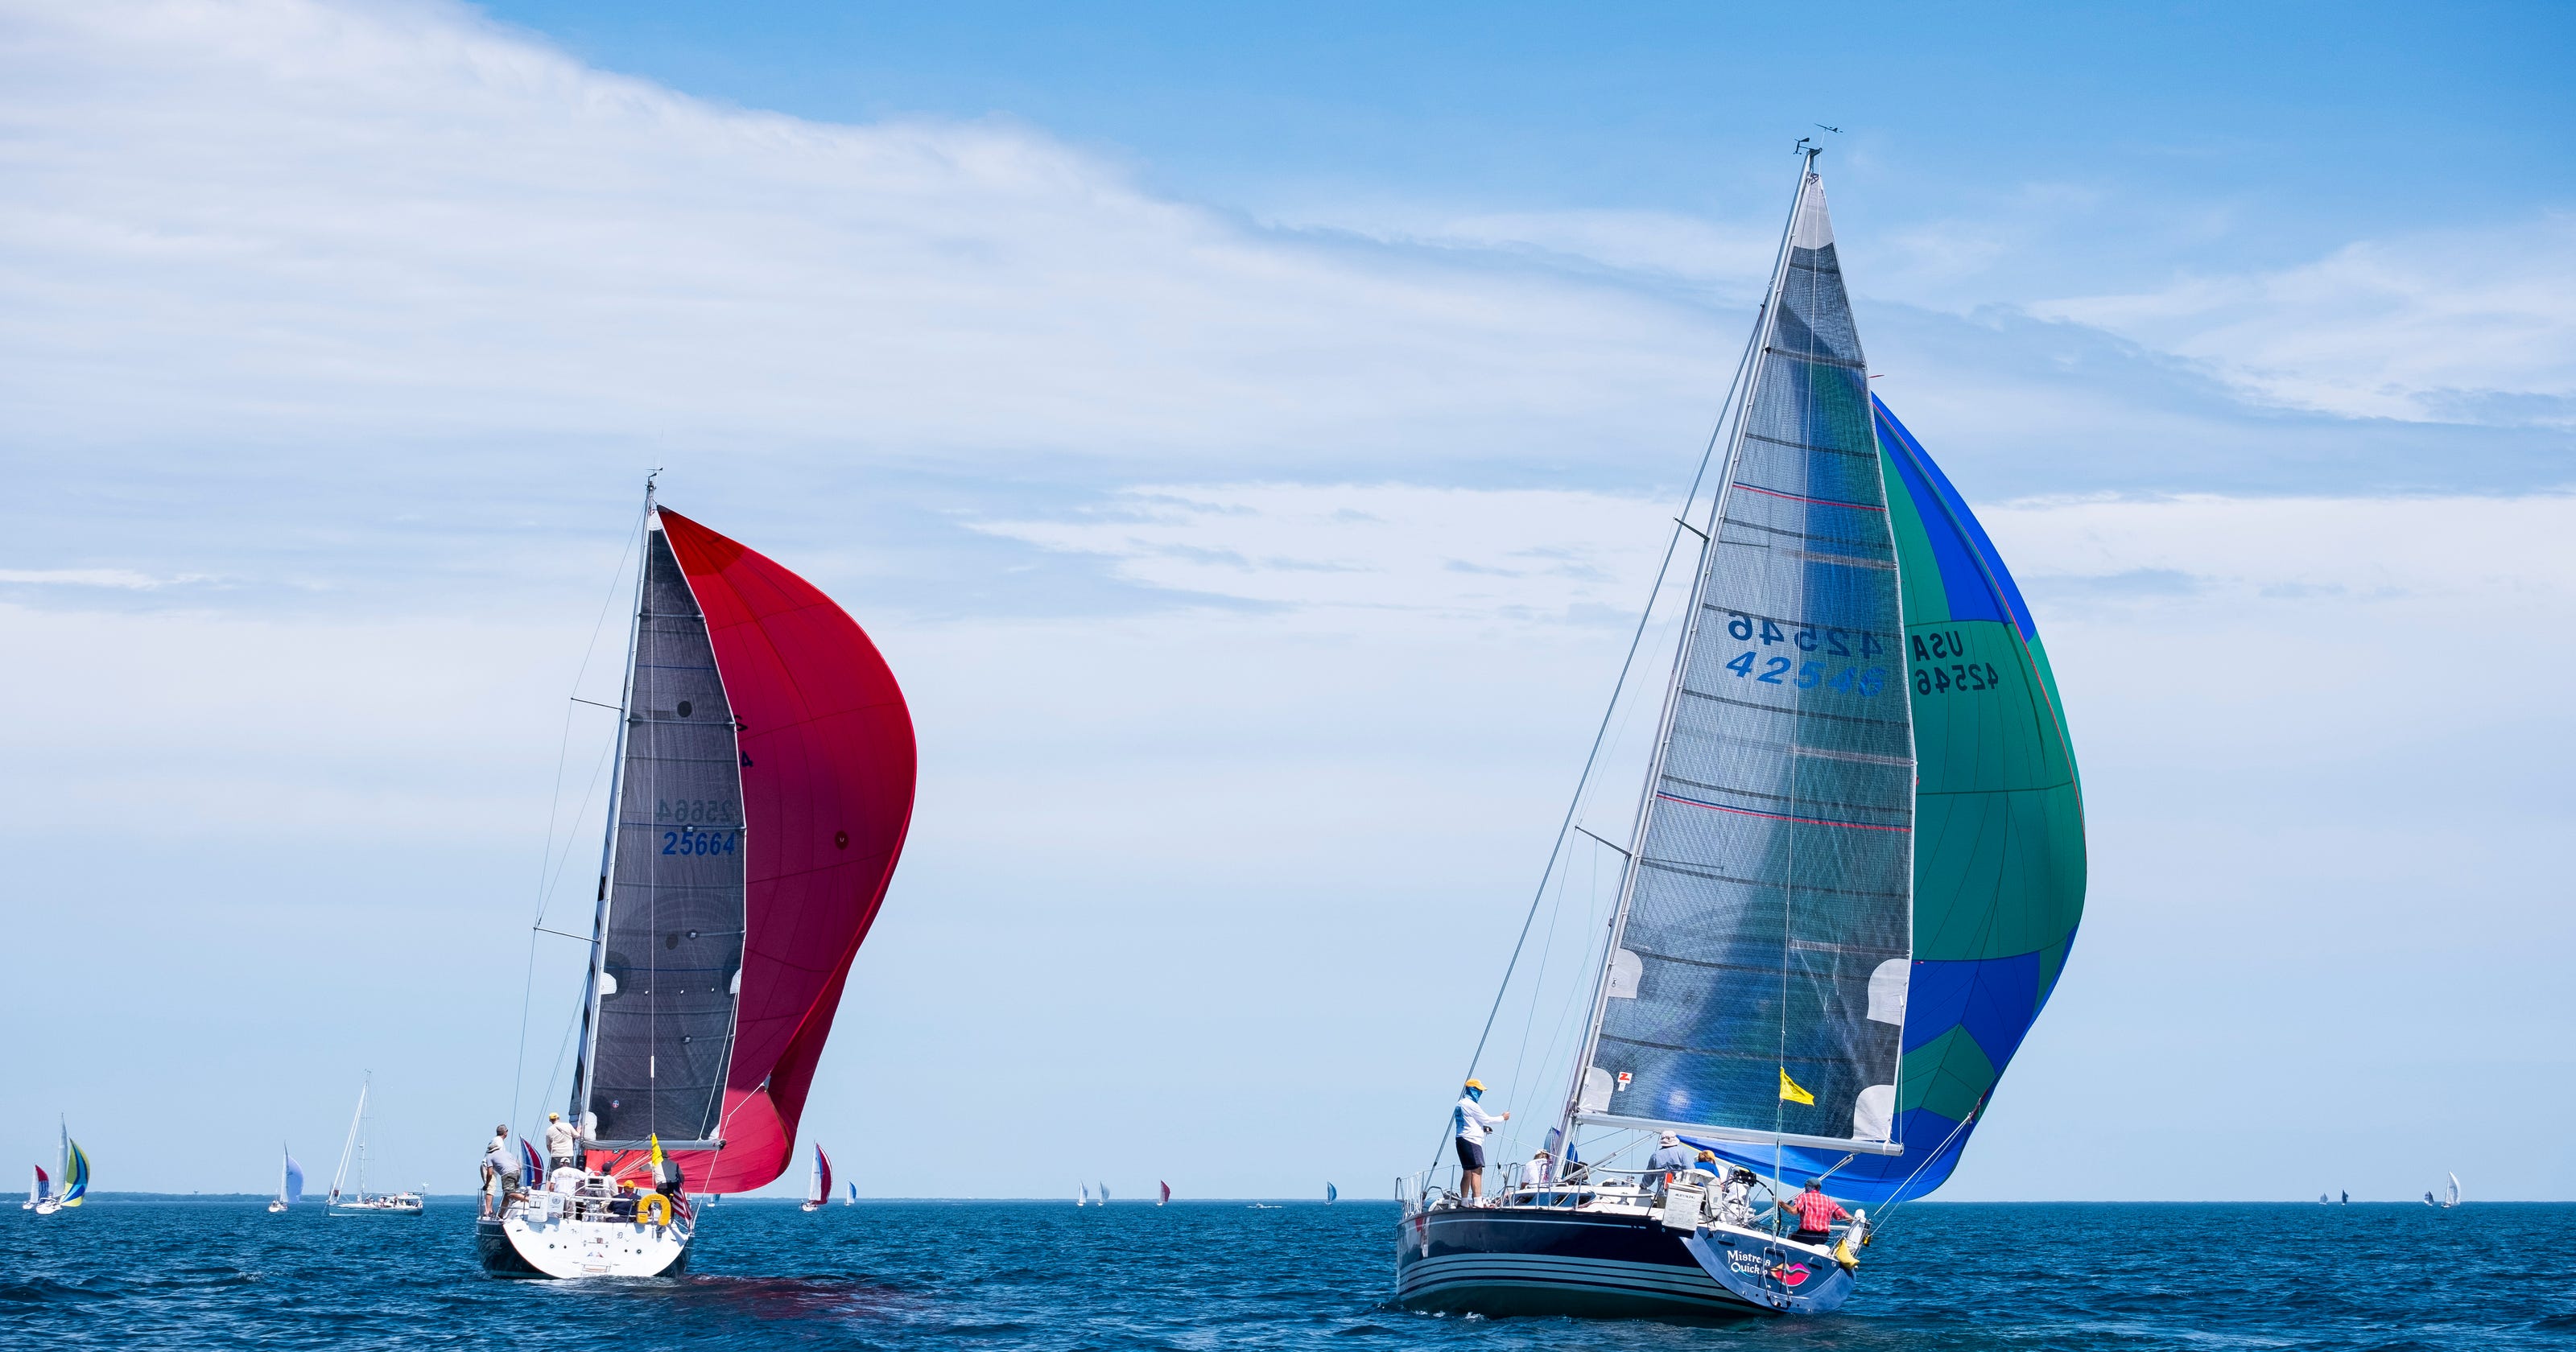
(1775, 671)
(1808, 638)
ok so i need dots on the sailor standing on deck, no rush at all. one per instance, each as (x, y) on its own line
(496, 1170)
(563, 1142)
(1470, 1123)
(1816, 1214)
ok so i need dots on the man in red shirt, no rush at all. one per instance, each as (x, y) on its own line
(1816, 1214)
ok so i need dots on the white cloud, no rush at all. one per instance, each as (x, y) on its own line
(2475, 325)
(369, 223)
(122, 578)
(1482, 554)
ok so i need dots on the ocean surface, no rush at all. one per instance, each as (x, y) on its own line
(225, 1274)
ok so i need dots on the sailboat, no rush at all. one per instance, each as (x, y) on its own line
(1083, 1196)
(1855, 868)
(818, 1184)
(74, 1167)
(2451, 1198)
(349, 1195)
(290, 1183)
(853, 1198)
(1104, 1194)
(39, 1191)
(1331, 1194)
(763, 789)
(1166, 1199)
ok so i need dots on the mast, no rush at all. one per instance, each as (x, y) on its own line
(1738, 418)
(580, 1107)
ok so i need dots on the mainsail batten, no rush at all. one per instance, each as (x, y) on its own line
(1757, 973)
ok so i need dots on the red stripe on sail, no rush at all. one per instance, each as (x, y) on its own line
(827, 783)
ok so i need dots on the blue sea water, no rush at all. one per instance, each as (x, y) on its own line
(1045, 1275)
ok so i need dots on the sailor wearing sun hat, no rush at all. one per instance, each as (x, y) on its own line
(1469, 1122)
(563, 1142)
(1670, 1154)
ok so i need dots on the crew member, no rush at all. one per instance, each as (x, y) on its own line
(1470, 1122)
(496, 1169)
(563, 1141)
(1816, 1214)
(1540, 1172)
(1670, 1157)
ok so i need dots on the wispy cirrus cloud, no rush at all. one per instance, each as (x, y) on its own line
(123, 579)
(2471, 325)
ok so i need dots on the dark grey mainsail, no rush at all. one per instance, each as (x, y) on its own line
(1755, 982)
(666, 971)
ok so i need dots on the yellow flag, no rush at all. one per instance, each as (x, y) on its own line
(1791, 1093)
(656, 1139)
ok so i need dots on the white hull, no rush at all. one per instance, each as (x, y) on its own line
(402, 1206)
(562, 1247)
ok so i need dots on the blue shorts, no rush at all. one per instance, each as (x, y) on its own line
(1471, 1154)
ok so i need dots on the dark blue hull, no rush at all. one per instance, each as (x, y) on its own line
(1546, 1261)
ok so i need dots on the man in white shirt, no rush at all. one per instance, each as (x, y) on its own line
(1540, 1172)
(563, 1141)
(1470, 1122)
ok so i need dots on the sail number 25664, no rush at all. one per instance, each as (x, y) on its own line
(698, 842)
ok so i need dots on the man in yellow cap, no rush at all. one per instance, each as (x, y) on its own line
(1470, 1122)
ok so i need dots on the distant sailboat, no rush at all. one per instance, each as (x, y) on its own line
(2343, 1199)
(853, 1198)
(1331, 1194)
(75, 1172)
(349, 1195)
(38, 1192)
(1104, 1194)
(2452, 1198)
(1167, 1195)
(74, 1168)
(290, 1183)
(2324, 1200)
(1084, 1199)
(818, 1184)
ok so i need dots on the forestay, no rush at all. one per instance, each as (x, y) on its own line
(1755, 986)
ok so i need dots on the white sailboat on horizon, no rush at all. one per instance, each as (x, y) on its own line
(349, 1196)
(75, 1171)
(290, 1183)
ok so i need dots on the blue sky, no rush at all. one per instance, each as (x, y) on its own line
(1245, 430)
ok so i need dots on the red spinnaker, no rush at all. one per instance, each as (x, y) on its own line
(827, 780)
